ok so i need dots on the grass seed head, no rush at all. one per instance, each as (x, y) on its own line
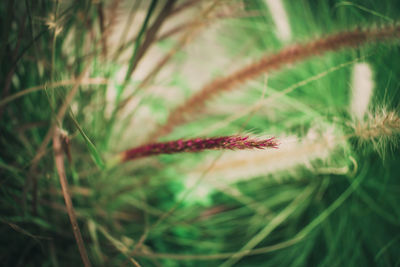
(380, 128)
(198, 144)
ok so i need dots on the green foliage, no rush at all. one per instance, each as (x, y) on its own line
(321, 199)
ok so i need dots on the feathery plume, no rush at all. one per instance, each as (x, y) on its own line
(290, 54)
(380, 128)
(293, 152)
(313, 152)
(196, 145)
(362, 90)
(280, 18)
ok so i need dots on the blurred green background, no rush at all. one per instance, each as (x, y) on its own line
(108, 73)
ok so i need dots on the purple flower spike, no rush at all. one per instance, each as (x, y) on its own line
(198, 144)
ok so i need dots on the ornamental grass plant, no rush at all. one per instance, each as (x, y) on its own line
(199, 132)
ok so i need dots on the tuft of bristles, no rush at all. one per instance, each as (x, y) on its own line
(379, 128)
(196, 145)
(288, 55)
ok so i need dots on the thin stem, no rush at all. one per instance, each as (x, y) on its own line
(59, 160)
(60, 116)
(134, 59)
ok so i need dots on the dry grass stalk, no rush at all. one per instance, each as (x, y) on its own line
(150, 37)
(41, 151)
(59, 160)
(275, 61)
(191, 32)
(112, 21)
(100, 10)
(87, 81)
(184, 6)
(10, 74)
(228, 11)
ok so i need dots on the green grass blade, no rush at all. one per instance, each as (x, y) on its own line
(92, 148)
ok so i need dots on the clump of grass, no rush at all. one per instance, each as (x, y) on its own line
(317, 200)
(287, 55)
(59, 161)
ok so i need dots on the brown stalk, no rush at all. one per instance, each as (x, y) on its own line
(275, 61)
(181, 43)
(59, 160)
(11, 72)
(122, 45)
(100, 10)
(179, 28)
(32, 178)
(110, 26)
(233, 13)
(88, 81)
(172, 13)
(184, 6)
(195, 27)
(60, 114)
(151, 35)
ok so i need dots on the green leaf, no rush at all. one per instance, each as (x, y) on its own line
(92, 148)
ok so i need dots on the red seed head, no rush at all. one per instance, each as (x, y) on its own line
(198, 144)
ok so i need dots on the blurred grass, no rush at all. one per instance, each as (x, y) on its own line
(146, 210)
